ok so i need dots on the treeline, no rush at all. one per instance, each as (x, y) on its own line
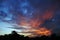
(15, 36)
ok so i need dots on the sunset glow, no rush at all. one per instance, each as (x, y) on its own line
(29, 17)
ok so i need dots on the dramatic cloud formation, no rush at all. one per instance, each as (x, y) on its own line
(30, 17)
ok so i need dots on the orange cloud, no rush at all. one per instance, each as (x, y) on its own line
(34, 24)
(43, 31)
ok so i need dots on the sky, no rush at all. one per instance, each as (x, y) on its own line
(30, 17)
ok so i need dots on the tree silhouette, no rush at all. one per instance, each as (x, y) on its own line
(15, 36)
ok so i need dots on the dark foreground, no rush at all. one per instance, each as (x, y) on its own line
(15, 36)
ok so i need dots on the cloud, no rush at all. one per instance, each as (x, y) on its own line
(18, 28)
(30, 15)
